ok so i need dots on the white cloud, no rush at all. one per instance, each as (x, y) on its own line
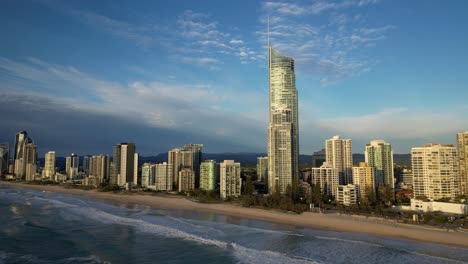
(242, 54)
(236, 41)
(156, 104)
(326, 50)
(401, 123)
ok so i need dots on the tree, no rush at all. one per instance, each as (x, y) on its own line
(316, 195)
(248, 187)
(386, 195)
(368, 201)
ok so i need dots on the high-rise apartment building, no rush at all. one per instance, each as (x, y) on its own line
(122, 169)
(86, 161)
(318, 158)
(327, 178)
(186, 180)
(209, 173)
(379, 154)
(462, 143)
(188, 156)
(115, 164)
(230, 179)
(435, 171)
(339, 154)
(136, 179)
(99, 168)
(71, 166)
(163, 177)
(19, 141)
(364, 180)
(49, 166)
(283, 129)
(262, 168)
(4, 158)
(148, 171)
(30, 160)
(127, 163)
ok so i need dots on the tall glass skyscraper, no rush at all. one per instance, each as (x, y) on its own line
(19, 141)
(283, 130)
(4, 157)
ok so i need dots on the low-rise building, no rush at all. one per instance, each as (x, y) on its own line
(347, 194)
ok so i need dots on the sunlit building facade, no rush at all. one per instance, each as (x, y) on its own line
(435, 171)
(49, 166)
(339, 154)
(462, 143)
(283, 133)
(364, 180)
(379, 154)
(230, 179)
(209, 174)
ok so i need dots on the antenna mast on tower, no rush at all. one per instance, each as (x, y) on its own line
(268, 31)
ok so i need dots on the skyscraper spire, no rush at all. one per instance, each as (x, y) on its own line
(268, 31)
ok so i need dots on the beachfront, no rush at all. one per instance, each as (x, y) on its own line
(335, 222)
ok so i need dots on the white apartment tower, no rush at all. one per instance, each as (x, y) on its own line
(339, 154)
(327, 178)
(230, 179)
(435, 171)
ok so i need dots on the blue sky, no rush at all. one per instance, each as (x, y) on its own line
(83, 75)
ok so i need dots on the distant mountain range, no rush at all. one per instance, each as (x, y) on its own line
(244, 158)
(251, 158)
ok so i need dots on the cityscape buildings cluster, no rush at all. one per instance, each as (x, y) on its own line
(438, 171)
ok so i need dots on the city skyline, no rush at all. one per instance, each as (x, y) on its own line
(163, 54)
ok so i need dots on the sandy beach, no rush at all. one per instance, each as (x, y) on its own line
(335, 222)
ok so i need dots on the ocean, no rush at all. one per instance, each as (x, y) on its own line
(46, 227)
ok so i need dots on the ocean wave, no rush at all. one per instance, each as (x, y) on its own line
(373, 244)
(8, 257)
(243, 254)
(349, 241)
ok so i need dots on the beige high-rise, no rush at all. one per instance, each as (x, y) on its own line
(99, 168)
(435, 171)
(462, 141)
(49, 166)
(364, 179)
(186, 180)
(339, 154)
(283, 129)
(163, 177)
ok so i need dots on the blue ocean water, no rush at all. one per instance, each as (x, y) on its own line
(44, 227)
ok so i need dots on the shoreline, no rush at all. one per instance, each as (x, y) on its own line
(332, 222)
